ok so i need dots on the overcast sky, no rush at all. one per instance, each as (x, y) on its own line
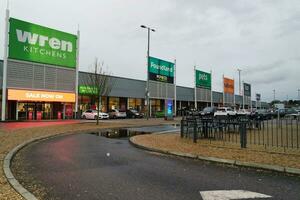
(261, 37)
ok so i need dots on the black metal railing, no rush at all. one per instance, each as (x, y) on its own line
(243, 130)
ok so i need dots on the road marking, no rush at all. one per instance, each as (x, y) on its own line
(231, 194)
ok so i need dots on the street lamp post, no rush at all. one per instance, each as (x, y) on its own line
(148, 60)
(240, 92)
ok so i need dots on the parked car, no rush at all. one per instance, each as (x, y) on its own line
(243, 112)
(291, 112)
(225, 111)
(92, 114)
(263, 114)
(208, 111)
(132, 113)
(115, 113)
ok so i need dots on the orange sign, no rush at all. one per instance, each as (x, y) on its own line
(34, 95)
(228, 85)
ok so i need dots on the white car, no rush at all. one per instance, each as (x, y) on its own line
(225, 111)
(243, 112)
(92, 114)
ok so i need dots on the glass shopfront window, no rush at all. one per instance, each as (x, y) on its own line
(86, 102)
(135, 104)
(40, 110)
(157, 105)
(114, 103)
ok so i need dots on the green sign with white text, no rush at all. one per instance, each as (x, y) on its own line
(203, 79)
(161, 70)
(35, 43)
(87, 90)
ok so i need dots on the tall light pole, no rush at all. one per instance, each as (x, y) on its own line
(274, 94)
(148, 62)
(240, 92)
(298, 94)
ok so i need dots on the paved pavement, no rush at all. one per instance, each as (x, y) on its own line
(30, 124)
(86, 166)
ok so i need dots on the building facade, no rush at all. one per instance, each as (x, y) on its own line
(126, 93)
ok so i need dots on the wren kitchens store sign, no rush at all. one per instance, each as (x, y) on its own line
(35, 43)
(161, 70)
(40, 66)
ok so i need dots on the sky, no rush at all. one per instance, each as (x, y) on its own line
(260, 37)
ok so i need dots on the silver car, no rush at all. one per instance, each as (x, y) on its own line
(115, 113)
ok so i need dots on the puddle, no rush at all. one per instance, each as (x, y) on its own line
(118, 133)
(128, 132)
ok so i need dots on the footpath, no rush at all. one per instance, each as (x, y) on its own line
(173, 144)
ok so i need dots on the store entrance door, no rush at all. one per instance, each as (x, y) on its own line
(39, 110)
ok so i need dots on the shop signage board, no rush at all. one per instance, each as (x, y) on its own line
(33, 95)
(228, 85)
(247, 89)
(203, 79)
(34, 43)
(87, 90)
(161, 70)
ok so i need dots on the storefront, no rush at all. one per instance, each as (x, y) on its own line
(39, 105)
(88, 102)
(157, 106)
(137, 104)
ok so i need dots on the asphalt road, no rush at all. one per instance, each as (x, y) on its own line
(91, 167)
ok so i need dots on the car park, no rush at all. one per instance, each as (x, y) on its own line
(115, 113)
(132, 113)
(208, 111)
(263, 114)
(92, 114)
(224, 111)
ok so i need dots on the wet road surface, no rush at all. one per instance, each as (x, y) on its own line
(86, 166)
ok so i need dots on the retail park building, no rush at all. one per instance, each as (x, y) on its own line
(40, 80)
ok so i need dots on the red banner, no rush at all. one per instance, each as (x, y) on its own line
(69, 110)
(30, 115)
(38, 115)
(58, 115)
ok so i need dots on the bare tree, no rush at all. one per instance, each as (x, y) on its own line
(97, 84)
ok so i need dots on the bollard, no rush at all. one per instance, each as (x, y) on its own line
(195, 132)
(243, 135)
(206, 129)
(181, 128)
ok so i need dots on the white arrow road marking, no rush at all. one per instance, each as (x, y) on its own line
(231, 194)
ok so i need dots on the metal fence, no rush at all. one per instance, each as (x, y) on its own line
(244, 131)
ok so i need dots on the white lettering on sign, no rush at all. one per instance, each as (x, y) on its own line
(43, 96)
(31, 95)
(59, 96)
(33, 38)
(161, 67)
(203, 77)
(57, 54)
